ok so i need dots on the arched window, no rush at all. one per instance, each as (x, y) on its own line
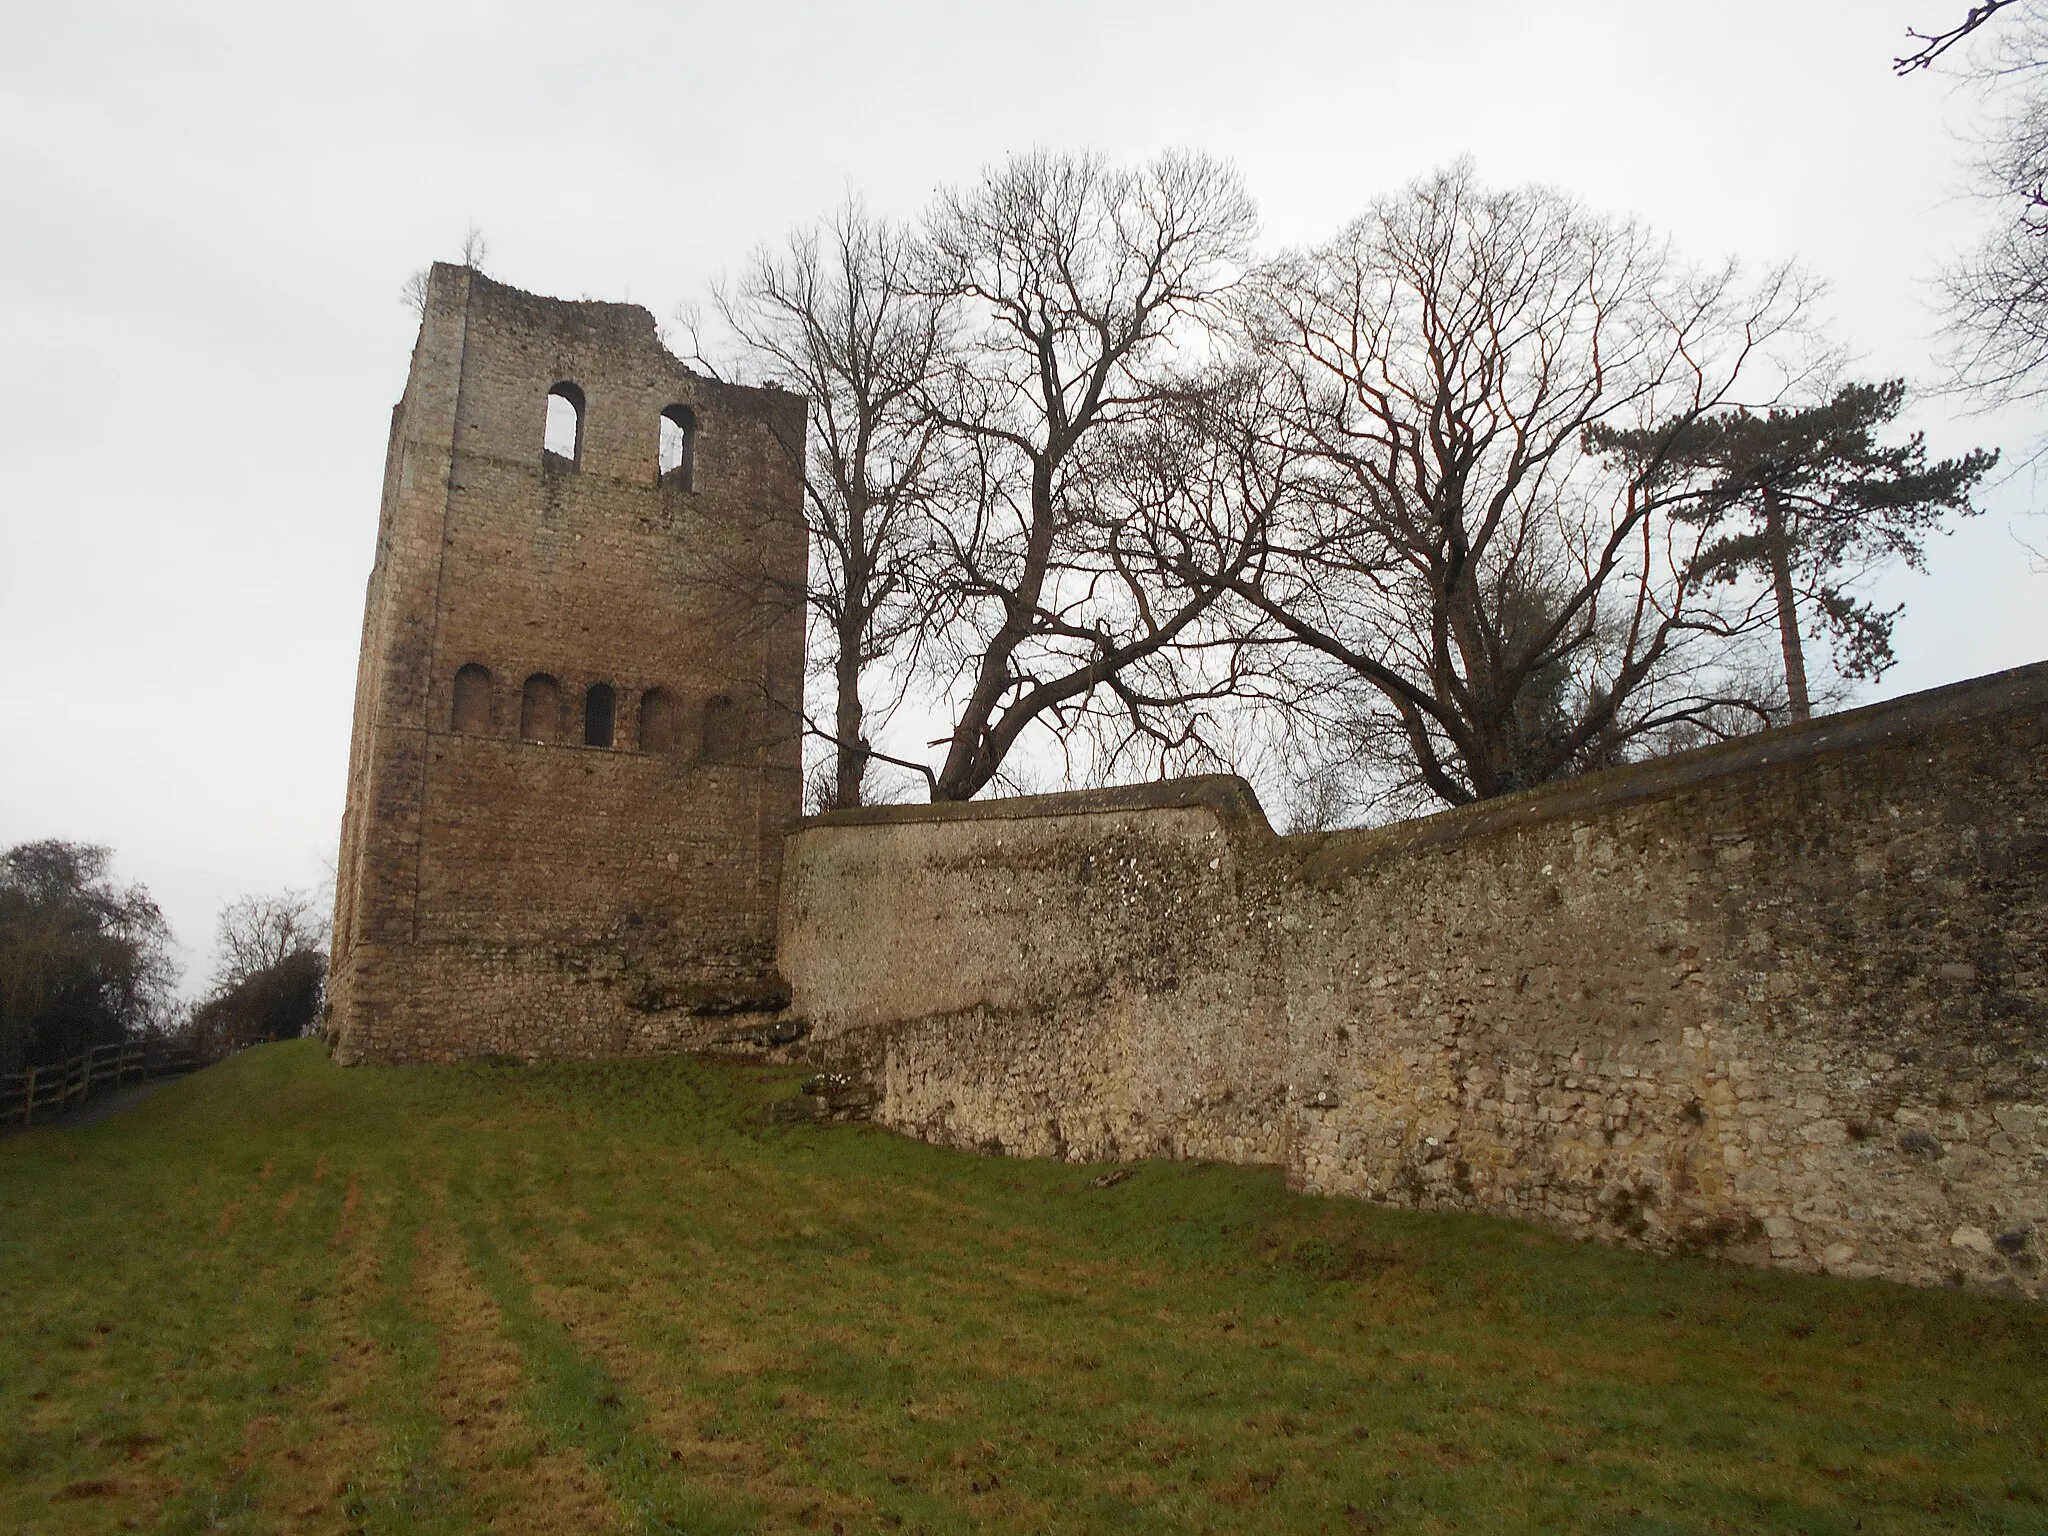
(721, 727)
(540, 709)
(600, 708)
(678, 446)
(473, 700)
(562, 444)
(661, 722)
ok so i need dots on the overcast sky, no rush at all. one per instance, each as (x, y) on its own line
(207, 212)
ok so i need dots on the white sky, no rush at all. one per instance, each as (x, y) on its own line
(206, 213)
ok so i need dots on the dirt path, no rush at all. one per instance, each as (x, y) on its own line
(97, 1108)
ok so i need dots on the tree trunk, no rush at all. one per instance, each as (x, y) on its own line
(850, 749)
(1788, 608)
(970, 764)
(849, 746)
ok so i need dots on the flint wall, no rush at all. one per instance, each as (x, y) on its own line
(1785, 1000)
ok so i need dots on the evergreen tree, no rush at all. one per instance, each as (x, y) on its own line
(1807, 499)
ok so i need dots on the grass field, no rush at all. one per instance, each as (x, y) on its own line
(279, 1296)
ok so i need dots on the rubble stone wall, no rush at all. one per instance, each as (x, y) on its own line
(1081, 976)
(1784, 1000)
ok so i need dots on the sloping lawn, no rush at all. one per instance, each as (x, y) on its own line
(280, 1296)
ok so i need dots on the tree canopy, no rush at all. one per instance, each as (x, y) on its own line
(84, 960)
(1807, 499)
(1488, 489)
(1997, 292)
(271, 981)
(1480, 604)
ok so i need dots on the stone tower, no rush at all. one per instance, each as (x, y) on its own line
(576, 746)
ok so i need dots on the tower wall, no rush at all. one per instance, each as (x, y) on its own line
(506, 887)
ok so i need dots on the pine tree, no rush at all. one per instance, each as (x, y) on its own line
(1807, 499)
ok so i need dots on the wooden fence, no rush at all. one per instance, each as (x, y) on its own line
(24, 1094)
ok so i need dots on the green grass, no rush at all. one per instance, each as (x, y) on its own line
(279, 1296)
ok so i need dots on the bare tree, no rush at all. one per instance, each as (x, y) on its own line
(270, 973)
(1934, 44)
(1500, 605)
(1996, 296)
(1184, 498)
(257, 933)
(1085, 299)
(837, 315)
(475, 252)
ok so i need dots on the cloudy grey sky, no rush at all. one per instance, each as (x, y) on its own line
(207, 211)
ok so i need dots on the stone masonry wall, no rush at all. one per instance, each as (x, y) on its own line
(504, 888)
(1075, 976)
(1784, 1000)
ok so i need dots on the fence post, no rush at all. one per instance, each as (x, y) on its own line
(28, 1103)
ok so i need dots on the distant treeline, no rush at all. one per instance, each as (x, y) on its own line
(86, 961)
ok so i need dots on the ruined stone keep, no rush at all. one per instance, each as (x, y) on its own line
(576, 749)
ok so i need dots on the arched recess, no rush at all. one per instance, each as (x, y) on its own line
(540, 709)
(679, 447)
(562, 439)
(472, 712)
(721, 727)
(661, 721)
(600, 714)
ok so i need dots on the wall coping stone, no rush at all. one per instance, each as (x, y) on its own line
(1230, 797)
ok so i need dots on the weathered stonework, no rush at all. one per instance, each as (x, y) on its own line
(1068, 975)
(506, 885)
(1785, 1000)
